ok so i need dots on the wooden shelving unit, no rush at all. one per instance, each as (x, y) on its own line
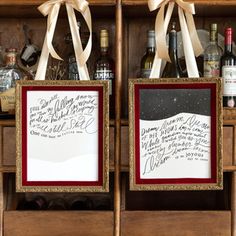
(132, 213)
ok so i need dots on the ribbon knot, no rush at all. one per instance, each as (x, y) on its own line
(191, 42)
(51, 9)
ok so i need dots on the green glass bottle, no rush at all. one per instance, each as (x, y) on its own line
(148, 58)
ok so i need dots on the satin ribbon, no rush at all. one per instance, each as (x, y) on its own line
(51, 9)
(191, 42)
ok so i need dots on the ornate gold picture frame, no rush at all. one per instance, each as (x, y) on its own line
(175, 134)
(62, 136)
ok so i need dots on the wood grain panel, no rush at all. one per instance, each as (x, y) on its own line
(57, 223)
(1, 203)
(169, 223)
(205, 2)
(38, 2)
(227, 145)
(125, 147)
(111, 148)
(233, 204)
(9, 146)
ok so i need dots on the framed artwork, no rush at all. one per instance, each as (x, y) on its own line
(62, 136)
(175, 134)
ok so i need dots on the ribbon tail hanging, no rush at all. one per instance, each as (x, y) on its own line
(198, 50)
(43, 61)
(191, 64)
(158, 64)
(78, 49)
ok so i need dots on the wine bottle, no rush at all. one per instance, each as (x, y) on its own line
(147, 59)
(105, 68)
(172, 68)
(30, 53)
(228, 71)
(212, 54)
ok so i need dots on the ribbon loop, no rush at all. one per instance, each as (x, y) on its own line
(51, 9)
(189, 34)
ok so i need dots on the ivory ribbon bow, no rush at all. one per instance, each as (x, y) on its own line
(51, 8)
(191, 42)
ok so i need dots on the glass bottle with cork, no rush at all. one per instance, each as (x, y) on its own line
(105, 68)
(148, 58)
(212, 54)
(8, 77)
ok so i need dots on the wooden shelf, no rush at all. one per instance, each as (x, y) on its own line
(197, 2)
(39, 2)
(171, 223)
(48, 223)
(14, 9)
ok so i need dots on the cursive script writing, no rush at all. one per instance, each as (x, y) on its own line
(184, 138)
(60, 114)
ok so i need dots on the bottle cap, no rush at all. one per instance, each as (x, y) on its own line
(213, 27)
(104, 38)
(151, 33)
(228, 35)
(104, 33)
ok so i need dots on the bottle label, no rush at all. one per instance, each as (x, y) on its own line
(7, 99)
(145, 73)
(229, 80)
(211, 68)
(29, 50)
(105, 75)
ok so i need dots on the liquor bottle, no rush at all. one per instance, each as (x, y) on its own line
(30, 52)
(37, 203)
(8, 77)
(105, 68)
(228, 71)
(212, 55)
(147, 59)
(172, 68)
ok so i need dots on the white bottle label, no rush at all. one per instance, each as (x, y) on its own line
(229, 80)
(105, 75)
(28, 52)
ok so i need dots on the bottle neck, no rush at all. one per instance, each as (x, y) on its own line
(228, 48)
(151, 44)
(150, 49)
(173, 47)
(104, 51)
(228, 41)
(213, 37)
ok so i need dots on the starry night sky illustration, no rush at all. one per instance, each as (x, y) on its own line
(157, 104)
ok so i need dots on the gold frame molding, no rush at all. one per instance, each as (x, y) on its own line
(104, 187)
(219, 129)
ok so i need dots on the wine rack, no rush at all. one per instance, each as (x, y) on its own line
(130, 212)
